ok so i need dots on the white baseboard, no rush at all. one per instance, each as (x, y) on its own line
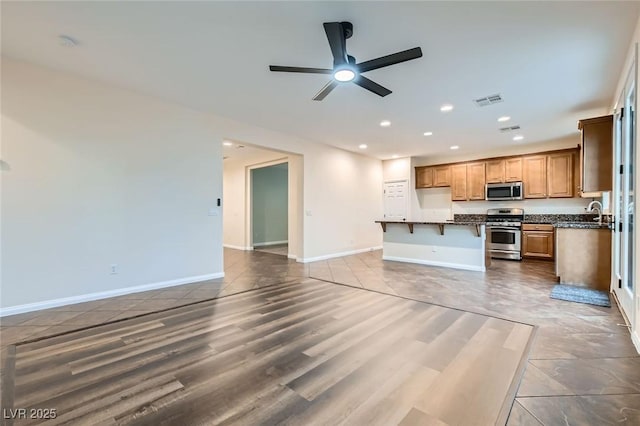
(270, 243)
(292, 256)
(635, 338)
(436, 263)
(231, 246)
(54, 303)
(334, 255)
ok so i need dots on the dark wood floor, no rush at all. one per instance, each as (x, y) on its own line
(582, 367)
(304, 352)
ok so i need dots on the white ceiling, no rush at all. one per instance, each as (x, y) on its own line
(553, 63)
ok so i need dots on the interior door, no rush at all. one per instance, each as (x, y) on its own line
(396, 200)
(625, 139)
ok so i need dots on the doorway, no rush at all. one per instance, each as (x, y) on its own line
(624, 197)
(269, 208)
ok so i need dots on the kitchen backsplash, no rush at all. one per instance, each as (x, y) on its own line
(435, 205)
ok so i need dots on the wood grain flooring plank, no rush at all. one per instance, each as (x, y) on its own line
(8, 376)
(80, 393)
(333, 368)
(308, 352)
(336, 402)
(453, 398)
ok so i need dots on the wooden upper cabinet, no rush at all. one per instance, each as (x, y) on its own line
(475, 181)
(424, 177)
(534, 176)
(459, 182)
(513, 169)
(596, 156)
(495, 170)
(560, 175)
(442, 176)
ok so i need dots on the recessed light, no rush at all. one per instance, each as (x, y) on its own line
(504, 118)
(385, 123)
(227, 143)
(454, 147)
(362, 146)
(428, 133)
(446, 108)
(518, 138)
(67, 41)
(395, 156)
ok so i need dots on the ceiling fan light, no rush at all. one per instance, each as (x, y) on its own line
(343, 75)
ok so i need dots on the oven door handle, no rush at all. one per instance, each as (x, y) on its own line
(502, 228)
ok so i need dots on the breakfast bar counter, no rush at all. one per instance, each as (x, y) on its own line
(452, 244)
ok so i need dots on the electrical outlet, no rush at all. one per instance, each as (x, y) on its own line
(114, 268)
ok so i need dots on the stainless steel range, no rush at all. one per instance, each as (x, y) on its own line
(505, 227)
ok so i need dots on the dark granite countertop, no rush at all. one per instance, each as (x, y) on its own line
(445, 222)
(574, 221)
(582, 225)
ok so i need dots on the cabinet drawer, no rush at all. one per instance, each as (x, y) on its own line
(537, 227)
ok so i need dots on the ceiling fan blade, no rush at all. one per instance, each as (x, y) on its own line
(337, 42)
(279, 68)
(325, 90)
(371, 86)
(385, 61)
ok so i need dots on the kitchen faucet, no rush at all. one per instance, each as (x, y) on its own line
(596, 205)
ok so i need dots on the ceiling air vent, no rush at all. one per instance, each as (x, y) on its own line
(488, 100)
(509, 129)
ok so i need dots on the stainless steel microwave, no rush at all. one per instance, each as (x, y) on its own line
(503, 191)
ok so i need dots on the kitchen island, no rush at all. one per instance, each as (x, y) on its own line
(451, 244)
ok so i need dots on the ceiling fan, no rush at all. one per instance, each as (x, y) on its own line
(345, 69)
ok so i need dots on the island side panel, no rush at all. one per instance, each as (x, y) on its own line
(459, 247)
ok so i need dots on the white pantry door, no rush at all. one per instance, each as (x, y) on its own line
(396, 199)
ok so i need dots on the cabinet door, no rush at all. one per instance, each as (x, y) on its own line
(495, 171)
(513, 169)
(459, 182)
(536, 244)
(475, 181)
(442, 176)
(596, 156)
(560, 174)
(424, 177)
(534, 176)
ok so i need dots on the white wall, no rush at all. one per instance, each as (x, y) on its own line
(94, 175)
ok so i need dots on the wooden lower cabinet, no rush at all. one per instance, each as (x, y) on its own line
(538, 241)
(584, 257)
